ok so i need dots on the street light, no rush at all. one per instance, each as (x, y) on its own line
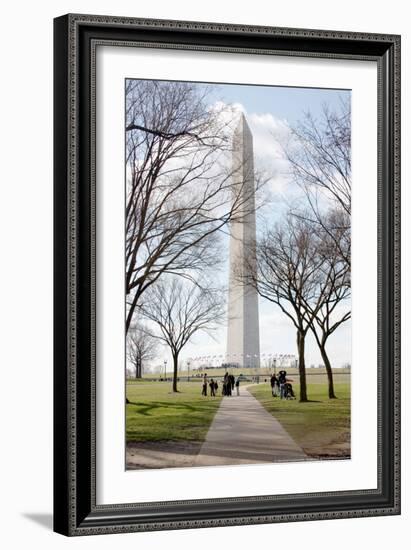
(165, 370)
(188, 370)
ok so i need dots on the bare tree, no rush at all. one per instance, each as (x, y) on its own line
(141, 347)
(320, 157)
(180, 309)
(286, 271)
(334, 287)
(180, 193)
(319, 154)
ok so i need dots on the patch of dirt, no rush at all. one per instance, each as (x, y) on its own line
(161, 454)
(338, 448)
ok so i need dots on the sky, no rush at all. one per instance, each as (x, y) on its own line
(270, 111)
(281, 103)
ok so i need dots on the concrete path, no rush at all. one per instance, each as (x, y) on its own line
(243, 432)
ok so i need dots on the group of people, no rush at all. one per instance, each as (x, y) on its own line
(281, 386)
(229, 383)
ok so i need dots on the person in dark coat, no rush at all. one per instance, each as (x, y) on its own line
(227, 382)
(273, 384)
(205, 381)
(282, 379)
(212, 388)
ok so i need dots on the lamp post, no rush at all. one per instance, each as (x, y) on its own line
(188, 370)
(165, 370)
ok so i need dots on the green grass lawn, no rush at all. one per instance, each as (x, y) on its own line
(155, 413)
(321, 426)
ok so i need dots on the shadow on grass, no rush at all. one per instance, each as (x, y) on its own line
(145, 408)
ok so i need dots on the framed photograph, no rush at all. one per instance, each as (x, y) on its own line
(227, 276)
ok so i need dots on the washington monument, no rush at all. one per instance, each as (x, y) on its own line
(243, 334)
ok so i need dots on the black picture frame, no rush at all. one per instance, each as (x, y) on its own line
(75, 40)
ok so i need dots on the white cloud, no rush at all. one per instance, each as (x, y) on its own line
(270, 137)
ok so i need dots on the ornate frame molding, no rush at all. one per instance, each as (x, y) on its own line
(76, 40)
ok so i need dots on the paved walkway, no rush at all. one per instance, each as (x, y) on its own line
(243, 432)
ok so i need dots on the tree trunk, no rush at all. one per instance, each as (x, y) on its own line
(130, 314)
(301, 366)
(327, 364)
(138, 368)
(175, 371)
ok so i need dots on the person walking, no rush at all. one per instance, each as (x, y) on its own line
(224, 392)
(273, 384)
(227, 385)
(212, 388)
(205, 381)
(282, 379)
(237, 385)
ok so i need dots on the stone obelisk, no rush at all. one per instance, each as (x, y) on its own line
(243, 335)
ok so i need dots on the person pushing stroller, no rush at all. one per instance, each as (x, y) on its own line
(286, 388)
